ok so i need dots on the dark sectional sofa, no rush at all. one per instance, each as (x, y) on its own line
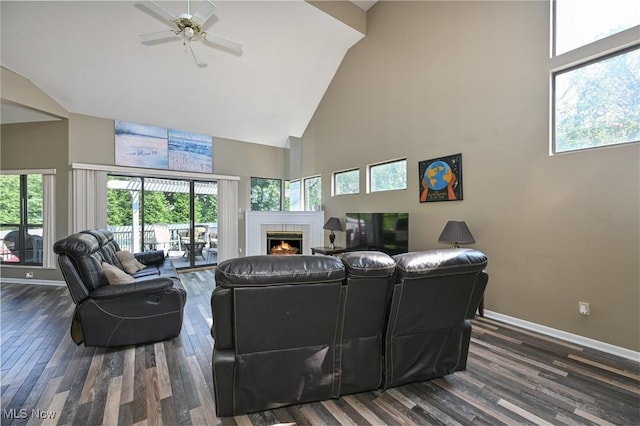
(147, 310)
(296, 329)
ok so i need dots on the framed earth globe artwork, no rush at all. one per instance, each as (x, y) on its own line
(441, 179)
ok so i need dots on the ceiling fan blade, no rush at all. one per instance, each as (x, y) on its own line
(195, 51)
(159, 35)
(204, 12)
(221, 41)
(158, 10)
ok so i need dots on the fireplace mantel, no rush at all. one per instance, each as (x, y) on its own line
(258, 223)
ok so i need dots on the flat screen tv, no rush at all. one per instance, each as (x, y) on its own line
(385, 232)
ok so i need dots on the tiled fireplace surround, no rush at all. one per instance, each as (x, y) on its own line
(259, 223)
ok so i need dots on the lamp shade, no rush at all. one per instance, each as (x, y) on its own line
(456, 232)
(333, 224)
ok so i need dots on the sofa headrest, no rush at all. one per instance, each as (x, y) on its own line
(368, 264)
(439, 262)
(266, 270)
(77, 245)
(102, 235)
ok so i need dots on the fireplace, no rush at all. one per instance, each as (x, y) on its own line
(259, 223)
(284, 242)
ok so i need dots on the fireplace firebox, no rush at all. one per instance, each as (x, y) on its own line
(284, 242)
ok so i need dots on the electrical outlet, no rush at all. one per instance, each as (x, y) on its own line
(29, 274)
(583, 308)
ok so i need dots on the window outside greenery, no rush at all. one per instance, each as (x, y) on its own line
(388, 176)
(266, 194)
(598, 104)
(596, 98)
(21, 228)
(346, 182)
(313, 194)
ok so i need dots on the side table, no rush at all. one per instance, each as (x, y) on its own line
(327, 250)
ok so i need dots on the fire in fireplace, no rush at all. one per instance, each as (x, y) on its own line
(279, 242)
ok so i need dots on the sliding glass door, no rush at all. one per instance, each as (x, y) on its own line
(176, 216)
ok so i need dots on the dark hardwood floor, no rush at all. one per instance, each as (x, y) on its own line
(513, 377)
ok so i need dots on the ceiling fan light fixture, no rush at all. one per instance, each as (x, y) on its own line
(189, 28)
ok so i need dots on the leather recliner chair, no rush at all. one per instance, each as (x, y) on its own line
(148, 310)
(436, 293)
(291, 329)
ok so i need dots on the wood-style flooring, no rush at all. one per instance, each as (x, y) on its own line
(513, 376)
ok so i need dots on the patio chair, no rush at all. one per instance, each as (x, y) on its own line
(163, 240)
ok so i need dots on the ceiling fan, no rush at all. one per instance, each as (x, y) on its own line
(189, 28)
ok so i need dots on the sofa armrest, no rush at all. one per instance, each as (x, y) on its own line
(138, 287)
(222, 313)
(152, 257)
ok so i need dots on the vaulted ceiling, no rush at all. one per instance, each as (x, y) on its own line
(87, 56)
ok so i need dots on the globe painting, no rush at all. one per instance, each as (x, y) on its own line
(437, 175)
(440, 179)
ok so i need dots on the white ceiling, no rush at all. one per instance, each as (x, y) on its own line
(87, 56)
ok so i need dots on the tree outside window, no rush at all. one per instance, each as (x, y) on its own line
(266, 194)
(596, 92)
(313, 193)
(598, 104)
(21, 219)
(388, 176)
(346, 182)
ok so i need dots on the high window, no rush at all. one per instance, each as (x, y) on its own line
(595, 85)
(293, 197)
(26, 217)
(346, 182)
(387, 176)
(313, 193)
(266, 194)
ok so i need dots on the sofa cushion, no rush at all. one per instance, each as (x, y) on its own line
(368, 264)
(115, 275)
(262, 270)
(128, 261)
(439, 262)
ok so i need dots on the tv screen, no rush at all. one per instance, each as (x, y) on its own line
(385, 232)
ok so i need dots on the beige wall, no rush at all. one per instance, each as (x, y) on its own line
(20, 91)
(439, 78)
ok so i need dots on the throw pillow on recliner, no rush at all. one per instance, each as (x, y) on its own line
(115, 275)
(129, 263)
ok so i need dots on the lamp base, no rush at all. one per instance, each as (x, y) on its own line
(332, 238)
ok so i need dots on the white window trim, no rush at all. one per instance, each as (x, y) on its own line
(48, 214)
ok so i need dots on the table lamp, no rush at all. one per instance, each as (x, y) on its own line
(333, 224)
(456, 233)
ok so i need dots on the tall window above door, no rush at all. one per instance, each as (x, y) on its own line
(595, 74)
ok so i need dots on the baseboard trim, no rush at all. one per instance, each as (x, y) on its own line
(31, 281)
(563, 335)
